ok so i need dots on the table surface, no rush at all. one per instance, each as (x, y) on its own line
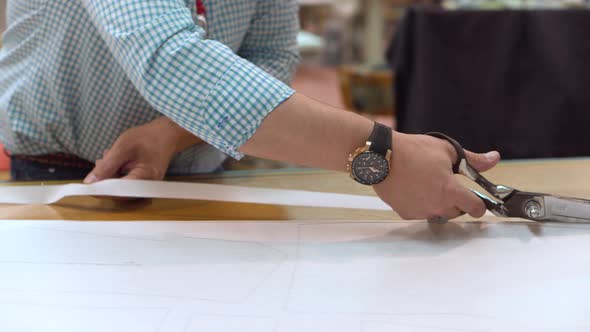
(566, 177)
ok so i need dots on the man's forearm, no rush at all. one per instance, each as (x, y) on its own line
(306, 132)
(420, 185)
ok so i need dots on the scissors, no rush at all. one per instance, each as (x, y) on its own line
(512, 203)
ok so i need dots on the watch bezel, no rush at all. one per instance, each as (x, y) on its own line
(365, 152)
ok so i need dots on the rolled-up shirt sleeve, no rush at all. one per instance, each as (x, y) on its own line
(200, 84)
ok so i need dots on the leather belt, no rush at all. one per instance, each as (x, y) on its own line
(57, 159)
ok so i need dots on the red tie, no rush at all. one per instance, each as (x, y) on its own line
(201, 8)
(202, 15)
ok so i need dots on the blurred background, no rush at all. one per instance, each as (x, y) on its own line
(2, 16)
(510, 75)
(4, 165)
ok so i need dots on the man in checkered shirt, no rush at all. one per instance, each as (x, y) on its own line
(105, 88)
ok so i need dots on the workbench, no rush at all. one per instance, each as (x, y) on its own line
(566, 177)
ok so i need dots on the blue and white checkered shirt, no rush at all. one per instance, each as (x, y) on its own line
(75, 74)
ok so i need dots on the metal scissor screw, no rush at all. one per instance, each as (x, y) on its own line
(534, 210)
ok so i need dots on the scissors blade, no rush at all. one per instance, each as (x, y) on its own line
(497, 208)
(565, 209)
(543, 207)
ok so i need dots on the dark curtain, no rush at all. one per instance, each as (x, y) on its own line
(515, 81)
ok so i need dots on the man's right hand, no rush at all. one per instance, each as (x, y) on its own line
(143, 152)
(421, 184)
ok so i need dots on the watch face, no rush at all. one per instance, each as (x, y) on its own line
(370, 168)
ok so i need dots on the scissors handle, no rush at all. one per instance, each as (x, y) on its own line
(458, 148)
(462, 166)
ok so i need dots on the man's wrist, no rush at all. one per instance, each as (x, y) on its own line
(370, 164)
(176, 136)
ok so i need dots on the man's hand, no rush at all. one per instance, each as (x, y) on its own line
(422, 185)
(143, 152)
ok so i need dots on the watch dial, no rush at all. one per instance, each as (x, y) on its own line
(370, 168)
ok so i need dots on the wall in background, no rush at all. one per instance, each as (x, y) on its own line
(2, 15)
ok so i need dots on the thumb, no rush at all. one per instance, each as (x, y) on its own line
(483, 161)
(109, 166)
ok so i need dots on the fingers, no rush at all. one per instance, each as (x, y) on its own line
(449, 214)
(142, 173)
(436, 214)
(108, 167)
(453, 213)
(480, 161)
(483, 161)
(461, 201)
(465, 200)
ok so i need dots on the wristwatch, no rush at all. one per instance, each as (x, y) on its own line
(370, 164)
